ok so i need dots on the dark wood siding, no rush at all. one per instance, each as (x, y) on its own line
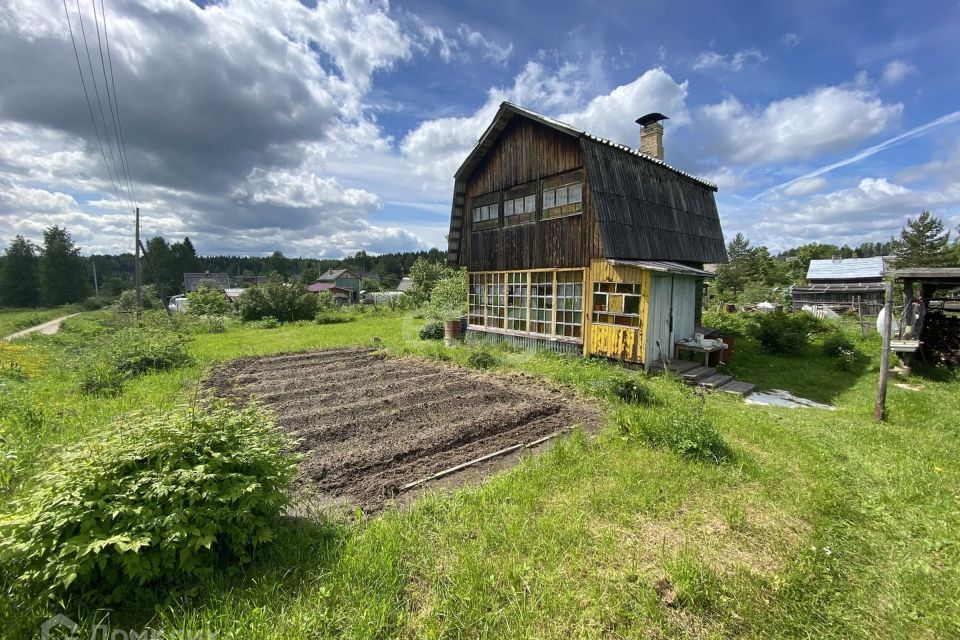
(527, 151)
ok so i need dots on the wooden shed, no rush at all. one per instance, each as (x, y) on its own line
(579, 244)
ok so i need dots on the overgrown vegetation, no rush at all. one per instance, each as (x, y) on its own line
(786, 333)
(282, 301)
(155, 500)
(208, 301)
(432, 330)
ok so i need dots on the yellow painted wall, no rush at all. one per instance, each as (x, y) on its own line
(622, 343)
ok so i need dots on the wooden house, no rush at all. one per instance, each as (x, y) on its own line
(843, 284)
(344, 279)
(579, 244)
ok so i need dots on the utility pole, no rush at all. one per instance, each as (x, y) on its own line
(96, 287)
(136, 267)
(880, 412)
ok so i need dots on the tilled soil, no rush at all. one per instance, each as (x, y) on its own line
(369, 425)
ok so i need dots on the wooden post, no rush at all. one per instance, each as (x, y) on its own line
(96, 285)
(880, 412)
(136, 267)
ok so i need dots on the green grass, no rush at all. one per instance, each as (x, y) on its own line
(13, 320)
(822, 524)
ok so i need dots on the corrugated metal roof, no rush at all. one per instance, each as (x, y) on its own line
(846, 269)
(665, 266)
(854, 287)
(332, 274)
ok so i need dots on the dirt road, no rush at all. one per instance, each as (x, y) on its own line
(47, 328)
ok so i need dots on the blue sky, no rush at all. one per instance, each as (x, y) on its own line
(320, 129)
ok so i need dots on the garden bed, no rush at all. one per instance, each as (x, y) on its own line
(369, 425)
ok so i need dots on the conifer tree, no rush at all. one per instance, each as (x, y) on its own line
(18, 277)
(922, 243)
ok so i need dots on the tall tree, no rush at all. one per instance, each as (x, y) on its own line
(186, 257)
(922, 243)
(18, 277)
(163, 261)
(278, 263)
(309, 274)
(62, 276)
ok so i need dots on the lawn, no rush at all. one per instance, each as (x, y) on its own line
(13, 320)
(821, 523)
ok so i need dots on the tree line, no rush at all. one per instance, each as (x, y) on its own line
(54, 273)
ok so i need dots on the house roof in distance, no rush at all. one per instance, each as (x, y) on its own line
(319, 287)
(191, 280)
(332, 274)
(846, 269)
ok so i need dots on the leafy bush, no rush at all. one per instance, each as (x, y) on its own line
(325, 302)
(736, 325)
(96, 302)
(786, 334)
(127, 302)
(681, 426)
(265, 323)
(139, 349)
(332, 317)
(208, 302)
(841, 348)
(101, 378)
(448, 298)
(482, 358)
(160, 499)
(285, 302)
(630, 389)
(432, 331)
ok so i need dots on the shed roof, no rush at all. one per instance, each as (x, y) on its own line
(191, 280)
(665, 267)
(318, 287)
(332, 274)
(936, 275)
(846, 269)
(646, 209)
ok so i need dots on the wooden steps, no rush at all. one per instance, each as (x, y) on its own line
(696, 374)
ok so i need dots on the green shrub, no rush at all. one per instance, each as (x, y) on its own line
(101, 378)
(736, 325)
(96, 302)
(786, 333)
(208, 302)
(139, 349)
(836, 345)
(448, 298)
(482, 358)
(158, 500)
(630, 389)
(432, 331)
(265, 323)
(149, 299)
(285, 302)
(210, 324)
(333, 317)
(681, 426)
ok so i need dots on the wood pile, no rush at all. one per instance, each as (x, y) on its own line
(941, 338)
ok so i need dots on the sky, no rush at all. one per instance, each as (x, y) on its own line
(323, 128)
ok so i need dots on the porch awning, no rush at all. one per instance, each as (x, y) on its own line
(664, 266)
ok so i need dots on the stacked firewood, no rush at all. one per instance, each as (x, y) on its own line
(941, 338)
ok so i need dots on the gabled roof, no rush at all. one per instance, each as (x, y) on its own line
(646, 209)
(191, 280)
(318, 287)
(405, 284)
(332, 274)
(846, 269)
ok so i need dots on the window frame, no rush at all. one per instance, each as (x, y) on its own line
(554, 184)
(624, 291)
(523, 193)
(491, 199)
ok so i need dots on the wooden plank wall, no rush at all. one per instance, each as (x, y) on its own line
(623, 343)
(527, 151)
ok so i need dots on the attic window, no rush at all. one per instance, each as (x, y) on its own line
(563, 195)
(486, 211)
(520, 204)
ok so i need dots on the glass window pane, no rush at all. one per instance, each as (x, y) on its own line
(575, 192)
(561, 196)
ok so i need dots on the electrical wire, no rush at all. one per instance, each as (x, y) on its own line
(86, 95)
(112, 97)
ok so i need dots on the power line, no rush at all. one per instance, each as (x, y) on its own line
(115, 105)
(86, 95)
(96, 92)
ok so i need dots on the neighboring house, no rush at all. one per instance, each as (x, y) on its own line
(249, 281)
(843, 283)
(580, 244)
(340, 294)
(345, 279)
(191, 280)
(404, 285)
(234, 292)
(368, 275)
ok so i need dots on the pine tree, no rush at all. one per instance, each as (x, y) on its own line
(18, 277)
(62, 275)
(922, 243)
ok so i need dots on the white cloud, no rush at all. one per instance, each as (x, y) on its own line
(790, 40)
(462, 45)
(302, 189)
(897, 70)
(806, 187)
(827, 119)
(728, 62)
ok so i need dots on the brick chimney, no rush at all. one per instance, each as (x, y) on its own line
(651, 134)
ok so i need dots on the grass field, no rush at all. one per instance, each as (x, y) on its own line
(821, 524)
(13, 320)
